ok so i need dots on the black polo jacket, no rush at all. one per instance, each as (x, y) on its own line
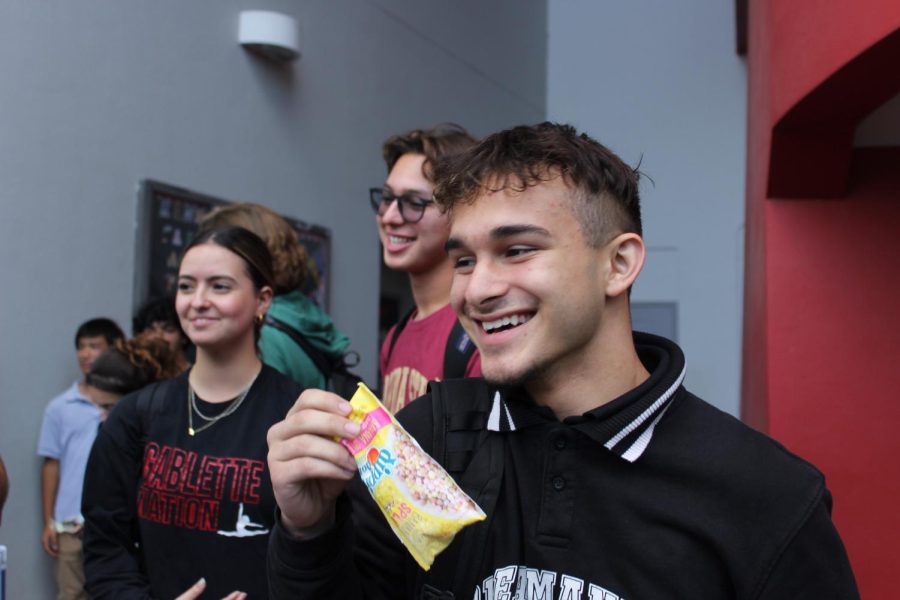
(654, 495)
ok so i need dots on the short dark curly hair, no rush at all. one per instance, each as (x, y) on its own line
(606, 189)
(132, 364)
(155, 310)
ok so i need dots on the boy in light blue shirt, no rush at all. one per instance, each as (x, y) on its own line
(68, 430)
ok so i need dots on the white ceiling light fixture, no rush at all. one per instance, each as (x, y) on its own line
(270, 34)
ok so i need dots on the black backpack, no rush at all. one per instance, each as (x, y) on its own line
(459, 350)
(338, 376)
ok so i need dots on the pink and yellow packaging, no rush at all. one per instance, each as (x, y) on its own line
(423, 504)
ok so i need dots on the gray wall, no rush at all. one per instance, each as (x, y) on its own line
(659, 82)
(97, 95)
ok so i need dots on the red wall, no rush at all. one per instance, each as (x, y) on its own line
(821, 366)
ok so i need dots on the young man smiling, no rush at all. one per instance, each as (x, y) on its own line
(413, 233)
(67, 432)
(606, 479)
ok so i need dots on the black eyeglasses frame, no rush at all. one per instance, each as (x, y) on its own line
(412, 207)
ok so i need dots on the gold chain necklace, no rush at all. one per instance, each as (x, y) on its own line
(192, 406)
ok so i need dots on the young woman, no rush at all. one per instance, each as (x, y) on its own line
(294, 270)
(177, 487)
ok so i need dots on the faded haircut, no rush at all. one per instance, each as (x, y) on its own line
(605, 189)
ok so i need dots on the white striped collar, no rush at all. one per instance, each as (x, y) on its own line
(498, 408)
(627, 431)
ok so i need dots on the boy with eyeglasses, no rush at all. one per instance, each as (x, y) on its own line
(427, 343)
(67, 434)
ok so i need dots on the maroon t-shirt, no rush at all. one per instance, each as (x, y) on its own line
(418, 357)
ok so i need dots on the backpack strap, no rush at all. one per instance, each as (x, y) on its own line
(145, 407)
(475, 458)
(458, 352)
(459, 413)
(396, 334)
(459, 431)
(323, 364)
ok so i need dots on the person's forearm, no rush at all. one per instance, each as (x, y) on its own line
(49, 487)
(313, 567)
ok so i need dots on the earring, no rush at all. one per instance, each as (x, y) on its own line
(260, 319)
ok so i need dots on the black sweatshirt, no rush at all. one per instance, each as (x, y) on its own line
(163, 508)
(654, 495)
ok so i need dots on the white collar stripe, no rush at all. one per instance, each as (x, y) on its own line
(637, 448)
(500, 419)
(647, 413)
(512, 424)
(493, 423)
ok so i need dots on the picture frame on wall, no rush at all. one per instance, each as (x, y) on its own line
(168, 216)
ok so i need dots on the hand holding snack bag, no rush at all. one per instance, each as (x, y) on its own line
(422, 503)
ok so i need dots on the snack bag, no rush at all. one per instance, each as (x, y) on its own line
(423, 504)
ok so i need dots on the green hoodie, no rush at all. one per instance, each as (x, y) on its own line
(281, 352)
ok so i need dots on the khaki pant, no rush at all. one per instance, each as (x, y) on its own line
(70, 568)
